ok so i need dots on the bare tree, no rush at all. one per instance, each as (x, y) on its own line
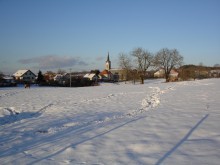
(144, 60)
(168, 60)
(125, 64)
(61, 71)
(124, 61)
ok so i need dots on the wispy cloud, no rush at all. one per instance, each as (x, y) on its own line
(53, 61)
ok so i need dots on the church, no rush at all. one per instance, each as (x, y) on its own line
(111, 74)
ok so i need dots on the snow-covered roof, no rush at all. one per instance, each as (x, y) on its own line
(161, 71)
(8, 77)
(215, 71)
(58, 76)
(90, 75)
(20, 73)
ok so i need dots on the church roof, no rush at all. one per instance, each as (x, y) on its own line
(105, 72)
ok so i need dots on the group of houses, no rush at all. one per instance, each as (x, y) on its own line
(19, 76)
(109, 74)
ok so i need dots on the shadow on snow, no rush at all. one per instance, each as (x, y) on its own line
(8, 119)
(166, 155)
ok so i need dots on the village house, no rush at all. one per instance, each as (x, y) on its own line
(49, 76)
(173, 74)
(25, 76)
(92, 76)
(106, 75)
(7, 81)
(214, 73)
(62, 78)
(161, 74)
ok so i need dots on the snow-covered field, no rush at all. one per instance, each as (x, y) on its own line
(155, 123)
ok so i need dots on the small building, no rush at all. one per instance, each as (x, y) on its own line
(106, 75)
(173, 73)
(49, 76)
(7, 81)
(91, 76)
(173, 76)
(25, 76)
(161, 74)
(214, 73)
(58, 77)
(62, 79)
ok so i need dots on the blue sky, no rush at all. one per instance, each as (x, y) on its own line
(78, 34)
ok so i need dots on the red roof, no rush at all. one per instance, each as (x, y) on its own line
(105, 72)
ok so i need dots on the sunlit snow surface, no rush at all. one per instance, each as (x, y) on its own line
(154, 123)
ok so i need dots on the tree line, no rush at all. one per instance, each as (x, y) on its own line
(138, 61)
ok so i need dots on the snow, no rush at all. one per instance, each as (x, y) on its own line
(155, 123)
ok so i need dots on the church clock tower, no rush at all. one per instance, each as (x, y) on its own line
(108, 64)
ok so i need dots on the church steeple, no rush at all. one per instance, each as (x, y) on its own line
(108, 63)
(108, 57)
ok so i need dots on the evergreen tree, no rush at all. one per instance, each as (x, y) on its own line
(1, 75)
(40, 77)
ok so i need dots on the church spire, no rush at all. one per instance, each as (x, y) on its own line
(108, 63)
(108, 57)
